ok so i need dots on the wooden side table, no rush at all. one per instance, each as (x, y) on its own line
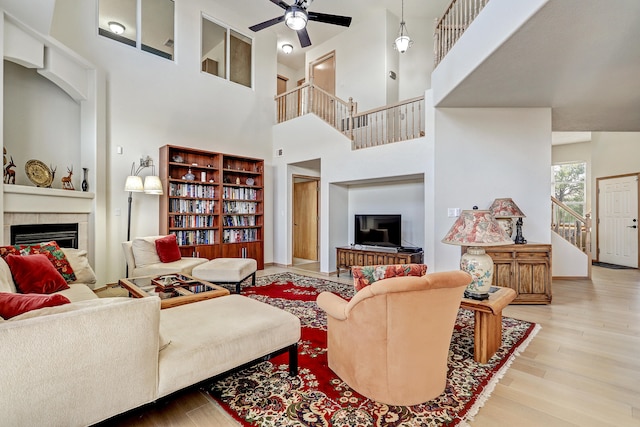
(487, 328)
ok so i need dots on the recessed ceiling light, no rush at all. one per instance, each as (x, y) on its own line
(287, 48)
(116, 27)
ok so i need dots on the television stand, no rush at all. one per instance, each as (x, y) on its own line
(348, 256)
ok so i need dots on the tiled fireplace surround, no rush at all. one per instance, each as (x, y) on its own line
(20, 218)
(33, 205)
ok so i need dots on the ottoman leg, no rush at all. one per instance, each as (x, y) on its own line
(238, 287)
(293, 360)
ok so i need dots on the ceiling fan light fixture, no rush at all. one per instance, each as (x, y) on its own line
(287, 48)
(296, 18)
(116, 27)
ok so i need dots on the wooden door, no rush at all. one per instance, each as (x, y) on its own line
(305, 219)
(282, 102)
(323, 75)
(618, 220)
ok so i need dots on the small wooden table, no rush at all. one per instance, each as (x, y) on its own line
(140, 287)
(487, 329)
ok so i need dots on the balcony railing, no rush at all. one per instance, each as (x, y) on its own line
(453, 23)
(392, 123)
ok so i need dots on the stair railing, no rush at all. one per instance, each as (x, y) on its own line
(453, 23)
(571, 226)
(392, 123)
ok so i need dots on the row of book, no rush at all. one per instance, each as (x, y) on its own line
(190, 221)
(239, 220)
(195, 237)
(244, 235)
(192, 190)
(239, 193)
(239, 207)
(191, 206)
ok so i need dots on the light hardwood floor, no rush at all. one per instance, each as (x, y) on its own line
(582, 369)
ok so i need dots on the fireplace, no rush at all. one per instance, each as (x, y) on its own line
(66, 235)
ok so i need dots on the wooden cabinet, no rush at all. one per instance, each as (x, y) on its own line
(212, 202)
(347, 256)
(524, 268)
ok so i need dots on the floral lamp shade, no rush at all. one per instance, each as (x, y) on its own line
(504, 209)
(477, 228)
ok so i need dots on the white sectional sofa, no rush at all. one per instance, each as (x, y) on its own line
(81, 363)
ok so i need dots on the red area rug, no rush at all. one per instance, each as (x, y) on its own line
(265, 395)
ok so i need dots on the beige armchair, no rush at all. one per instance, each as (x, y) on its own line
(142, 259)
(390, 343)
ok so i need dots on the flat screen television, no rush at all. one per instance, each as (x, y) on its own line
(378, 230)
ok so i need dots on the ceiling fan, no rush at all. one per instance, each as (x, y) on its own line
(296, 17)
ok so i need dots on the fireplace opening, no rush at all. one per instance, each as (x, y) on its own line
(66, 235)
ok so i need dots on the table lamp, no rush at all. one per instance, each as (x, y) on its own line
(503, 210)
(475, 229)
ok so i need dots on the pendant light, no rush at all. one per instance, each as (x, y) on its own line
(403, 42)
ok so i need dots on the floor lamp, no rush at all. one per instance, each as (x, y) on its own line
(134, 184)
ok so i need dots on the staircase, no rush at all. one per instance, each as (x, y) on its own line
(572, 227)
(401, 121)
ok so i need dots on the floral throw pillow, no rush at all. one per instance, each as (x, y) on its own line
(50, 249)
(366, 275)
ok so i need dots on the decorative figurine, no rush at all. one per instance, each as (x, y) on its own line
(53, 174)
(9, 173)
(66, 180)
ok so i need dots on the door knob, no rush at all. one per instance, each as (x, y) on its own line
(632, 226)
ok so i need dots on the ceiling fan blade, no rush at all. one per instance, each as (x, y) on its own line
(303, 36)
(280, 3)
(266, 24)
(345, 21)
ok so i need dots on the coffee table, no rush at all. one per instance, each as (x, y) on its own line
(487, 328)
(193, 291)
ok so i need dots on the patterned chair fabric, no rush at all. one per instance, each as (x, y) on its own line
(367, 275)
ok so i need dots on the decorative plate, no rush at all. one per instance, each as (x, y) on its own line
(38, 173)
(250, 181)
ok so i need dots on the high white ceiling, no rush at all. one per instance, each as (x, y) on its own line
(262, 10)
(579, 57)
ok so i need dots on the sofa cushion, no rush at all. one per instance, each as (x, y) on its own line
(80, 263)
(12, 305)
(78, 292)
(50, 249)
(6, 279)
(167, 248)
(35, 274)
(144, 251)
(366, 275)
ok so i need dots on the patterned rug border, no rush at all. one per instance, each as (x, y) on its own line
(474, 405)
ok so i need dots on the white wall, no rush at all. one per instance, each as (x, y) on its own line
(482, 154)
(41, 122)
(151, 102)
(347, 177)
(360, 61)
(291, 74)
(397, 197)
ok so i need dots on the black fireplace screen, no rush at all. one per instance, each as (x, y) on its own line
(66, 235)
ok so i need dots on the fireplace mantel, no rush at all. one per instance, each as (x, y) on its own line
(23, 198)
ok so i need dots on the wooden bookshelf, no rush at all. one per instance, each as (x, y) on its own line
(218, 213)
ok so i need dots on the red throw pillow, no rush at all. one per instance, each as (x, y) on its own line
(50, 249)
(12, 305)
(167, 248)
(34, 274)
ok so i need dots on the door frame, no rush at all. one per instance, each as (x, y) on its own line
(293, 187)
(597, 216)
(322, 59)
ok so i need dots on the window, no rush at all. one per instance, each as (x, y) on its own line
(568, 185)
(152, 30)
(233, 64)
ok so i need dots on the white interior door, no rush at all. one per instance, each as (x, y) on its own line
(618, 220)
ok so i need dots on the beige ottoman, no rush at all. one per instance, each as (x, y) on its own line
(227, 271)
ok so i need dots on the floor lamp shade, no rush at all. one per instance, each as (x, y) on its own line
(475, 229)
(133, 184)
